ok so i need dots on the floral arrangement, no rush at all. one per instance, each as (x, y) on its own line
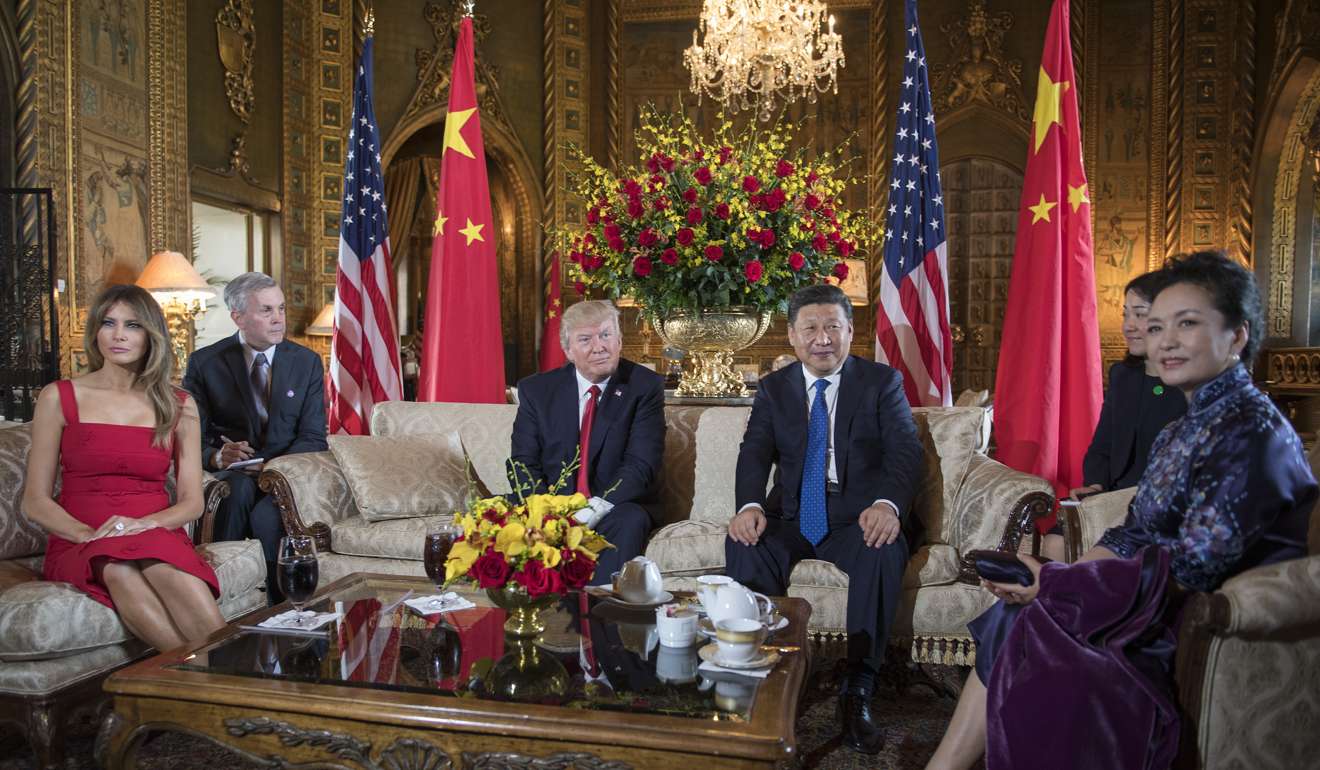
(535, 543)
(739, 219)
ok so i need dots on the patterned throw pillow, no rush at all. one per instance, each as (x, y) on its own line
(400, 477)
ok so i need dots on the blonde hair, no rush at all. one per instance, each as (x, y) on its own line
(154, 368)
(592, 312)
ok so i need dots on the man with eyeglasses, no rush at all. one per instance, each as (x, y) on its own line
(840, 435)
(605, 412)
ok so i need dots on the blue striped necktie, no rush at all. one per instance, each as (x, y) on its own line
(811, 506)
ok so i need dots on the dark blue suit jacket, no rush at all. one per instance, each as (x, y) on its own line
(876, 450)
(627, 435)
(218, 380)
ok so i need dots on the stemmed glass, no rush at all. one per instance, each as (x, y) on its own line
(297, 572)
(434, 555)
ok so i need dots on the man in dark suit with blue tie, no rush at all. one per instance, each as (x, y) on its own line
(259, 396)
(605, 410)
(840, 434)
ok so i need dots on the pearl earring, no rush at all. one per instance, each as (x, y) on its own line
(1233, 358)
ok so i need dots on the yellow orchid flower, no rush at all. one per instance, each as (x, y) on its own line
(461, 557)
(511, 540)
(547, 554)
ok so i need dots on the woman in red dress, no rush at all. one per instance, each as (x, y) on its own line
(113, 433)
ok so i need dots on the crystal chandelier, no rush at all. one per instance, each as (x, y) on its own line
(754, 49)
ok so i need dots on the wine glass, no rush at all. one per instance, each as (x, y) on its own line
(297, 571)
(434, 555)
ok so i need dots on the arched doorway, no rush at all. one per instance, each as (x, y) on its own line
(982, 189)
(412, 153)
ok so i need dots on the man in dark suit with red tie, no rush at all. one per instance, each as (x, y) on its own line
(259, 396)
(607, 411)
(840, 435)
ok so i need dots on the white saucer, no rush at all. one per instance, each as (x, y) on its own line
(706, 627)
(764, 659)
(605, 593)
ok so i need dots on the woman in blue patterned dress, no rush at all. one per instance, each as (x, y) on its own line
(1228, 488)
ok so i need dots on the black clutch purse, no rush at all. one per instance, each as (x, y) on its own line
(1001, 567)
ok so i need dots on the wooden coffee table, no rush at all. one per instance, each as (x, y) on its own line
(286, 701)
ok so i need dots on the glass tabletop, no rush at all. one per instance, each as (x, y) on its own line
(594, 654)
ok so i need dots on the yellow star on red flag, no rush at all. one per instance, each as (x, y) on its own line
(454, 132)
(472, 232)
(1048, 108)
(1077, 196)
(1042, 210)
(440, 219)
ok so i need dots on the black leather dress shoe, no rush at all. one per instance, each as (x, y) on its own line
(860, 732)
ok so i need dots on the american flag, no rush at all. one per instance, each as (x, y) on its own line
(912, 320)
(364, 352)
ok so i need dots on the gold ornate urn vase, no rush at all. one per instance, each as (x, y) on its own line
(525, 672)
(524, 612)
(711, 337)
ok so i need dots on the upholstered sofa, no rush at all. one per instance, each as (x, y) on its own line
(56, 643)
(1248, 661)
(968, 501)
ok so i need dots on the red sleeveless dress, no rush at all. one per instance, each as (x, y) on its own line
(114, 470)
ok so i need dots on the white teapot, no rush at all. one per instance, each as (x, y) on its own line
(638, 581)
(724, 599)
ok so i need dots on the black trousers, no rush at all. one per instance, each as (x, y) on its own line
(875, 575)
(626, 526)
(249, 512)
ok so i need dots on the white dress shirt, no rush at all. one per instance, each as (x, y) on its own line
(584, 388)
(250, 353)
(597, 507)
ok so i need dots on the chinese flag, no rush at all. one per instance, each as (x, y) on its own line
(552, 353)
(462, 346)
(1048, 387)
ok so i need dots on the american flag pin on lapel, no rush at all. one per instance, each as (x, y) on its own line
(618, 391)
(289, 394)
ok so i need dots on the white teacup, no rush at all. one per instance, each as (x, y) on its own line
(738, 639)
(676, 624)
(723, 598)
(676, 665)
(638, 581)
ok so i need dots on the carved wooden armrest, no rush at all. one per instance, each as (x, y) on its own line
(994, 508)
(311, 493)
(213, 491)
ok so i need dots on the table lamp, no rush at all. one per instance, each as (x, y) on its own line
(182, 293)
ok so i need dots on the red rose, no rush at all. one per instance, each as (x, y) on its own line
(811, 202)
(834, 237)
(593, 215)
(656, 180)
(579, 287)
(827, 212)
(576, 256)
(722, 210)
(783, 168)
(576, 571)
(753, 271)
(685, 236)
(491, 569)
(812, 176)
(751, 184)
(611, 231)
(647, 238)
(796, 260)
(703, 175)
(698, 155)
(538, 580)
(635, 209)
(726, 152)
(767, 238)
(589, 240)
(661, 203)
(714, 253)
(694, 215)
(653, 163)
(845, 248)
(757, 201)
(669, 256)
(641, 267)
(841, 270)
(774, 201)
(690, 195)
(616, 244)
(666, 163)
(819, 243)
(631, 188)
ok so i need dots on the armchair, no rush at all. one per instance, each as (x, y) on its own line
(1248, 660)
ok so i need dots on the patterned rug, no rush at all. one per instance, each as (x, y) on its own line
(907, 703)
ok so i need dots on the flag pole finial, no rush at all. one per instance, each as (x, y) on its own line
(468, 5)
(369, 24)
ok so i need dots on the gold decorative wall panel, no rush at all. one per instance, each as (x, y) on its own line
(305, 119)
(567, 117)
(167, 118)
(1292, 172)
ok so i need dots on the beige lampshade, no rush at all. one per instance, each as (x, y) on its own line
(170, 276)
(324, 323)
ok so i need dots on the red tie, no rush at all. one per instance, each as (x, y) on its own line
(584, 441)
